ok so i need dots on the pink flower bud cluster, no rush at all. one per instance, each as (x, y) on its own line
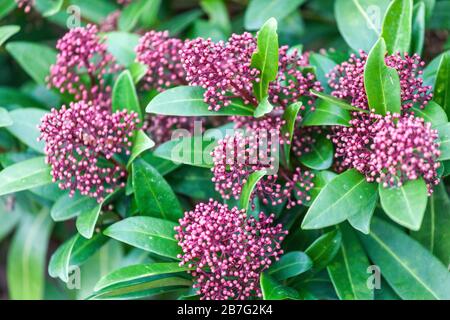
(390, 150)
(228, 250)
(347, 80)
(82, 65)
(238, 156)
(26, 5)
(82, 143)
(160, 54)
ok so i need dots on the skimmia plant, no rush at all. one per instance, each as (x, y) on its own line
(224, 151)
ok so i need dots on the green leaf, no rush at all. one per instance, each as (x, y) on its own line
(321, 155)
(48, 8)
(348, 269)
(323, 250)
(67, 207)
(193, 182)
(248, 187)
(441, 94)
(26, 257)
(188, 101)
(335, 101)
(36, 65)
(263, 108)
(259, 11)
(320, 180)
(218, 14)
(444, 139)
(411, 270)
(121, 45)
(162, 165)
(87, 220)
(405, 205)
(274, 290)
(24, 127)
(130, 15)
(290, 265)
(6, 6)
(327, 114)
(381, 82)
(432, 113)
(323, 66)
(147, 233)
(290, 116)
(346, 195)
(359, 22)
(7, 32)
(141, 143)
(265, 58)
(361, 221)
(124, 96)
(418, 28)
(25, 175)
(435, 231)
(153, 194)
(9, 215)
(138, 71)
(5, 118)
(138, 273)
(397, 23)
(59, 262)
(180, 22)
(431, 69)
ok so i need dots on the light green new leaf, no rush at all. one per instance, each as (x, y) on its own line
(26, 257)
(348, 271)
(336, 101)
(441, 93)
(397, 25)
(265, 58)
(124, 96)
(141, 143)
(36, 65)
(25, 175)
(346, 195)
(121, 45)
(154, 196)
(5, 118)
(411, 270)
(259, 11)
(405, 205)
(147, 233)
(248, 188)
(188, 101)
(67, 207)
(7, 32)
(24, 127)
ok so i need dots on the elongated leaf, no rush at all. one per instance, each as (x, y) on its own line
(26, 257)
(323, 250)
(188, 101)
(348, 269)
(290, 265)
(408, 267)
(323, 66)
(6, 6)
(397, 26)
(259, 11)
(359, 21)
(431, 69)
(67, 207)
(59, 263)
(335, 101)
(24, 127)
(163, 166)
(141, 143)
(124, 95)
(5, 119)
(381, 82)
(153, 194)
(248, 188)
(193, 182)
(37, 66)
(121, 45)
(346, 195)
(181, 21)
(320, 180)
(290, 116)
(265, 58)
(218, 14)
(87, 220)
(25, 175)
(137, 71)
(321, 155)
(147, 233)
(7, 32)
(444, 139)
(405, 205)
(418, 28)
(435, 231)
(327, 114)
(441, 92)
(432, 113)
(274, 290)
(9, 215)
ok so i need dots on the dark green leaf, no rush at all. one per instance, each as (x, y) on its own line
(6, 6)
(444, 139)
(67, 207)
(193, 182)
(180, 22)
(274, 290)
(141, 143)
(324, 249)
(396, 30)
(290, 117)
(418, 28)
(290, 265)
(321, 155)
(441, 92)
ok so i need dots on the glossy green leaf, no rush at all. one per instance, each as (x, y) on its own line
(327, 114)
(7, 32)
(335, 101)
(323, 250)
(431, 69)
(49, 8)
(320, 180)
(381, 82)
(397, 24)
(25, 175)
(59, 262)
(5, 118)
(290, 265)
(359, 21)
(263, 108)
(290, 117)
(323, 66)
(248, 187)
(434, 233)
(418, 28)
(218, 14)
(348, 271)
(162, 165)
(26, 257)
(24, 127)
(147, 233)
(431, 113)
(138, 71)
(274, 290)
(441, 93)
(67, 207)
(37, 66)
(265, 58)
(444, 140)
(259, 11)
(141, 143)
(193, 182)
(411, 270)
(153, 194)
(188, 101)
(405, 205)
(346, 195)
(121, 45)
(87, 220)
(321, 155)
(124, 96)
